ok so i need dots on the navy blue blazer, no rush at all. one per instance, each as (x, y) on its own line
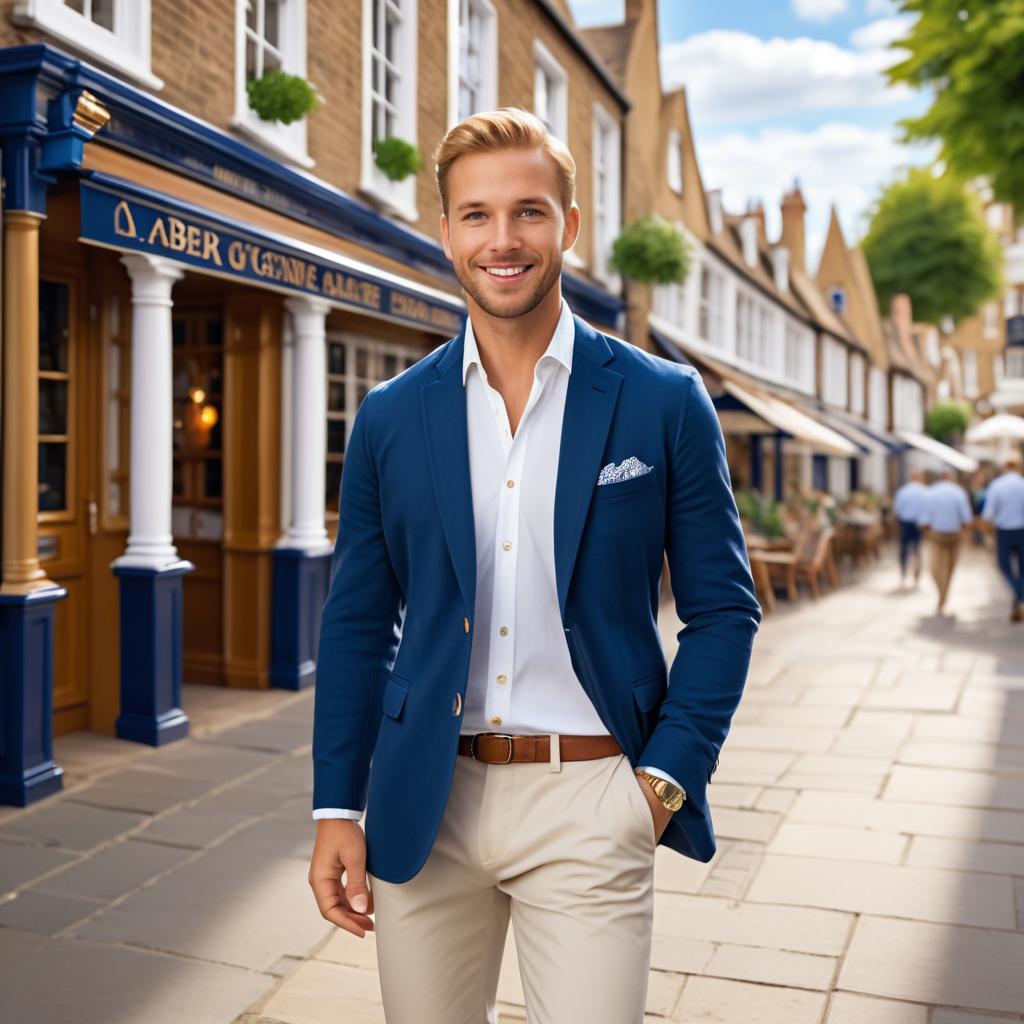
(394, 647)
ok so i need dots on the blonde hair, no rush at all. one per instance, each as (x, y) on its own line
(505, 128)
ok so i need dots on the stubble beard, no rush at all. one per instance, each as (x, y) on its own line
(528, 302)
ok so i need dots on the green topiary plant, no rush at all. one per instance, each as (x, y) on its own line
(947, 419)
(279, 96)
(650, 250)
(397, 158)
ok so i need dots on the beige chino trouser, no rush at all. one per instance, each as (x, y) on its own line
(943, 551)
(564, 849)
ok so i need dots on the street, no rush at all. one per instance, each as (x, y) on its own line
(869, 808)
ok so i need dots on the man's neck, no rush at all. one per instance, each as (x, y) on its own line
(509, 347)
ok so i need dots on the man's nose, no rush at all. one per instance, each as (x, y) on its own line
(506, 234)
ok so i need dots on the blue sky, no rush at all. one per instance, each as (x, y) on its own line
(784, 89)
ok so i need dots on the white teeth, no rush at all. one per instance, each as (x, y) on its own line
(504, 271)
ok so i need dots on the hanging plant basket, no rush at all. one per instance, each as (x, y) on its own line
(651, 251)
(396, 158)
(279, 96)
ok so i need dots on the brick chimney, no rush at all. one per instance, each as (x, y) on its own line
(793, 237)
(902, 316)
(757, 212)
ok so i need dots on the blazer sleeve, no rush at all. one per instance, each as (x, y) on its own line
(360, 627)
(714, 598)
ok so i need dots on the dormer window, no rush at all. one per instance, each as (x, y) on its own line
(837, 300)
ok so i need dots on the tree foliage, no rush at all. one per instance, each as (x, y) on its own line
(652, 251)
(970, 54)
(946, 419)
(928, 238)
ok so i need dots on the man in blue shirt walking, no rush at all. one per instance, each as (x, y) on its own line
(908, 507)
(946, 513)
(1004, 512)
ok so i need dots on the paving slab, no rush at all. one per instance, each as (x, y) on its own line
(714, 1000)
(69, 825)
(326, 993)
(63, 981)
(839, 842)
(772, 967)
(21, 862)
(138, 789)
(193, 827)
(949, 786)
(113, 871)
(964, 855)
(44, 912)
(847, 1008)
(967, 968)
(923, 894)
(272, 734)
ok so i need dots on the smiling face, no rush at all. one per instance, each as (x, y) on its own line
(505, 231)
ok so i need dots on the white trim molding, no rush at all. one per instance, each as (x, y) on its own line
(606, 204)
(472, 39)
(126, 47)
(550, 92)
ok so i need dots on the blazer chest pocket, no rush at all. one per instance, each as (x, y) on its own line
(395, 692)
(604, 492)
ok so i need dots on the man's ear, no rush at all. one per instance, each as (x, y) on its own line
(445, 241)
(572, 228)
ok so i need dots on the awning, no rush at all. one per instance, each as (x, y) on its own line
(867, 444)
(789, 420)
(941, 451)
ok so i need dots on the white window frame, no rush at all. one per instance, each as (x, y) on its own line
(835, 378)
(878, 392)
(287, 141)
(607, 158)
(399, 197)
(711, 305)
(858, 398)
(798, 355)
(970, 370)
(487, 97)
(674, 161)
(1013, 368)
(128, 49)
(558, 96)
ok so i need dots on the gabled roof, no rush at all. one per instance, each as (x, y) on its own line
(821, 312)
(611, 44)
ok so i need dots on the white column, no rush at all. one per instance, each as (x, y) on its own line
(306, 529)
(150, 544)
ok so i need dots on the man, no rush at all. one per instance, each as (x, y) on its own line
(1003, 511)
(945, 514)
(506, 505)
(908, 507)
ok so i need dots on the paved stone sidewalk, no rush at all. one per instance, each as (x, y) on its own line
(869, 806)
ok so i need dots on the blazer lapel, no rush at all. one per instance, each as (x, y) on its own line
(444, 421)
(589, 405)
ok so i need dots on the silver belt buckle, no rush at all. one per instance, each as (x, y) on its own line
(499, 735)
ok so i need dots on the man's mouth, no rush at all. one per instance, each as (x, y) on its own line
(511, 272)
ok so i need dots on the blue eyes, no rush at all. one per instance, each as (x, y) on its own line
(473, 214)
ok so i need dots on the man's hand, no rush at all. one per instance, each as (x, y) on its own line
(662, 815)
(341, 846)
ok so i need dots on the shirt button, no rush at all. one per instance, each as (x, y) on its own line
(503, 631)
(496, 720)
(510, 483)
(465, 624)
(507, 545)
(502, 679)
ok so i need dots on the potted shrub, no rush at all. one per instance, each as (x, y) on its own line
(279, 96)
(396, 158)
(651, 251)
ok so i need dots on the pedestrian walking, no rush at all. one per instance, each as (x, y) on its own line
(908, 507)
(1004, 513)
(506, 504)
(946, 512)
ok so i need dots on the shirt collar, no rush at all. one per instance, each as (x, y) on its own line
(560, 346)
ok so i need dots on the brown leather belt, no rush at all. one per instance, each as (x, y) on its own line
(502, 748)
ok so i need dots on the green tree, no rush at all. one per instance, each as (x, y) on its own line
(970, 54)
(928, 238)
(947, 419)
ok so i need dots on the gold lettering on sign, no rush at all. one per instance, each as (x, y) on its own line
(158, 234)
(236, 256)
(124, 222)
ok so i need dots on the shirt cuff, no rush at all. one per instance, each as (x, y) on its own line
(337, 812)
(660, 774)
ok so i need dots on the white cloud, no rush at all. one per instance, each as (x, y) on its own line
(881, 33)
(818, 10)
(733, 75)
(886, 7)
(836, 162)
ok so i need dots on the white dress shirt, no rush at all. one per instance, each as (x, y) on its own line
(947, 508)
(909, 501)
(1004, 501)
(521, 678)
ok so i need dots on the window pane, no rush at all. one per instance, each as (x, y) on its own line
(272, 22)
(251, 59)
(336, 396)
(212, 482)
(76, 5)
(53, 406)
(362, 362)
(390, 366)
(103, 14)
(335, 358)
(336, 436)
(53, 458)
(333, 485)
(250, 14)
(53, 326)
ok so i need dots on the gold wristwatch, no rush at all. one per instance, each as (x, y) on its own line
(671, 795)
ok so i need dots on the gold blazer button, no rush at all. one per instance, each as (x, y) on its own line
(457, 706)
(465, 624)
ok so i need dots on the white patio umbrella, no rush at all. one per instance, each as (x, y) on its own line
(1003, 426)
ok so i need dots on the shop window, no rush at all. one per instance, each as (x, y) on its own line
(198, 417)
(474, 55)
(55, 375)
(270, 36)
(389, 96)
(354, 366)
(116, 33)
(117, 393)
(550, 92)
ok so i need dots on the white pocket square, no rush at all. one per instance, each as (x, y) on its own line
(625, 470)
